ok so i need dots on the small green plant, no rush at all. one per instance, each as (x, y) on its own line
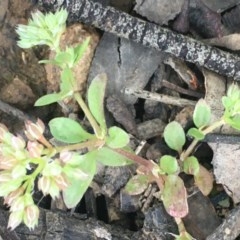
(55, 169)
(166, 173)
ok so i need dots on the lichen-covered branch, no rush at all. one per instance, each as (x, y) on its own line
(148, 34)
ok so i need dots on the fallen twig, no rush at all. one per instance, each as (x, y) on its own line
(176, 88)
(180, 102)
(148, 34)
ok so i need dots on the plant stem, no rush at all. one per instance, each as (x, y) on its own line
(181, 227)
(45, 142)
(209, 129)
(31, 178)
(213, 126)
(90, 143)
(137, 159)
(91, 119)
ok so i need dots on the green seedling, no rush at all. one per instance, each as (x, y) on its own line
(56, 169)
(173, 192)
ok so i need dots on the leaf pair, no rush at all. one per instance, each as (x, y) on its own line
(174, 134)
(65, 60)
(70, 57)
(231, 103)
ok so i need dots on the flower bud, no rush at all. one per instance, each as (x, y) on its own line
(61, 181)
(35, 149)
(7, 163)
(31, 215)
(18, 142)
(54, 190)
(34, 131)
(15, 219)
(52, 169)
(18, 204)
(13, 196)
(65, 156)
(44, 184)
(18, 171)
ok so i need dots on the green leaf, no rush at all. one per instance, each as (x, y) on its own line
(67, 81)
(109, 157)
(117, 138)
(68, 131)
(137, 185)
(48, 99)
(201, 114)
(46, 61)
(95, 96)
(169, 164)
(233, 121)
(233, 92)
(80, 50)
(64, 59)
(174, 197)
(196, 133)
(227, 102)
(204, 180)
(75, 191)
(174, 136)
(191, 166)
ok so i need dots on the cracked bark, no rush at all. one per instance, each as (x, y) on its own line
(148, 34)
(229, 229)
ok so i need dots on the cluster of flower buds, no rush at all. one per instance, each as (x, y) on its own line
(22, 208)
(52, 180)
(24, 162)
(15, 162)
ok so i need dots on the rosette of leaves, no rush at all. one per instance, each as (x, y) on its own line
(43, 29)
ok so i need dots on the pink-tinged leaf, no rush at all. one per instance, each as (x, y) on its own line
(137, 184)
(204, 180)
(174, 196)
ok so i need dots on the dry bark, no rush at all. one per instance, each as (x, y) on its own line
(148, 34)
(57, 225)
(229, 229)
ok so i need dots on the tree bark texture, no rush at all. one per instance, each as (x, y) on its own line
(229, 229)
(57, 225)
(148, 34)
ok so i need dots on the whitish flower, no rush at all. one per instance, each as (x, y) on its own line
(7, 163)
(34, 131)
(18, 171)
(61, 181)
(35, 149)
(18, 204)
(15, 219)
(66, 156)
(31, 215)
(44, 184)
(13, 196)
(18, 142)
(54, 190)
